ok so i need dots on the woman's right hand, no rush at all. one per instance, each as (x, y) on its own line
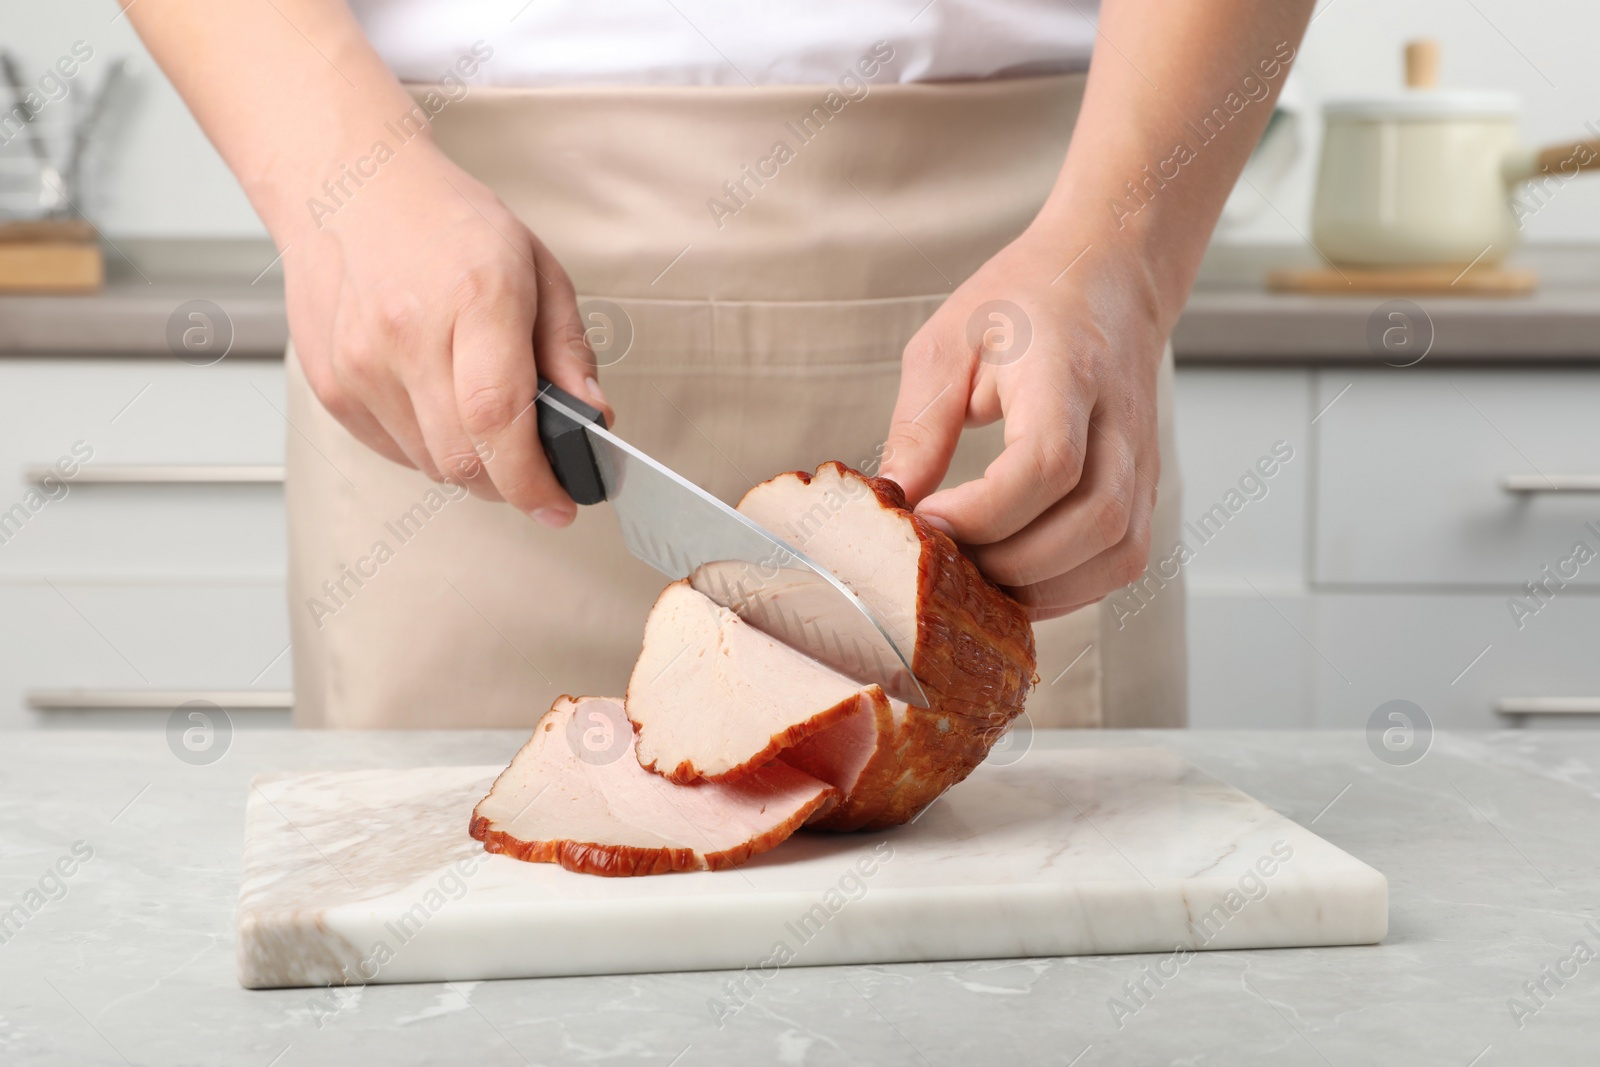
(423, 312)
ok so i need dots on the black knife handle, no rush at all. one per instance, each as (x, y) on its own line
(566, 445)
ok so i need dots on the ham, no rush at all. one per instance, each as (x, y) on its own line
(731, 740)
(593, 809)
(857, 757)
(972, 646)
(712, 697)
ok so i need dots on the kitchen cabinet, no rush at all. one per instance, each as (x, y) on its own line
(1425, 500)
(1247, 590)
(1439, 477)
(1229, 420)
(1249, 666)
(1457, 655)
(69, 424)
(73, 643)
(142, 542)
(1375, 563)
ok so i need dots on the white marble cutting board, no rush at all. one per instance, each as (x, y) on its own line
(369, 876)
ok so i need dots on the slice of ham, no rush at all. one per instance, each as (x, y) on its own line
(857, 757)
(712, 698)
(972, 646)
(591, 808)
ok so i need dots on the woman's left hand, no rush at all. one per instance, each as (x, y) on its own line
(1066, 351)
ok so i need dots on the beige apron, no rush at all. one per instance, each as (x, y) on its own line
(767, 316)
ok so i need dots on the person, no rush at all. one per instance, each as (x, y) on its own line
(944, 241)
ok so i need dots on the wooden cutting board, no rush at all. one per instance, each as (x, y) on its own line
(1400, 281)
(369, 876)
(50, 256)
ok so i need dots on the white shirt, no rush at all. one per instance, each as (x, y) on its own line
(726, 42)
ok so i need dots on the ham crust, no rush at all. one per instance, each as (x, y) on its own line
(603, 814)
(973, 651)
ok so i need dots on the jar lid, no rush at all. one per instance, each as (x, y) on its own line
(1424, 104)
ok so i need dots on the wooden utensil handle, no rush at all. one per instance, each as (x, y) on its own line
(1569, 157)
(1422, 64)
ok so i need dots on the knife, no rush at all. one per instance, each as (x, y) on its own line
(684, 532)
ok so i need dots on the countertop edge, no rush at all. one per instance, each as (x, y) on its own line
(1230, 317)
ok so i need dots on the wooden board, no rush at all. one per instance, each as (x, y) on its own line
(51, 267)
(1345, 281)
(76, 231)
(357, 877)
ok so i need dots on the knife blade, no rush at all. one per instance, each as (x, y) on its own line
(684, 532)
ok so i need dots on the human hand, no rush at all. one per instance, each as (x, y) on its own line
(1068, 358)
(423, 312)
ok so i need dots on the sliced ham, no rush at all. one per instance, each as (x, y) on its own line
(972, 646)
(731, 740)
(856, 757)
(593, 809)
(712, 698)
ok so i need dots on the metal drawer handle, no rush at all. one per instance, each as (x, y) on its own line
(1517, 706)
(1553, 483)
(113, 474)
(161, 699)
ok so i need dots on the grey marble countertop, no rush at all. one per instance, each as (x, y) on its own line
(147, 282)
(1490, 842)
(1230, 316)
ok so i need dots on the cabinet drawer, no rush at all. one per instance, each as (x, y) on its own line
(1430, 477)
(1249, 667)
(1460, 657)
(120, 467)
(60, 635)
(150, 531)
(142, 410)
(1228, 421)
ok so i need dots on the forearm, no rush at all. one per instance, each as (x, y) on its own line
(288, 91)
(1177, 97)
